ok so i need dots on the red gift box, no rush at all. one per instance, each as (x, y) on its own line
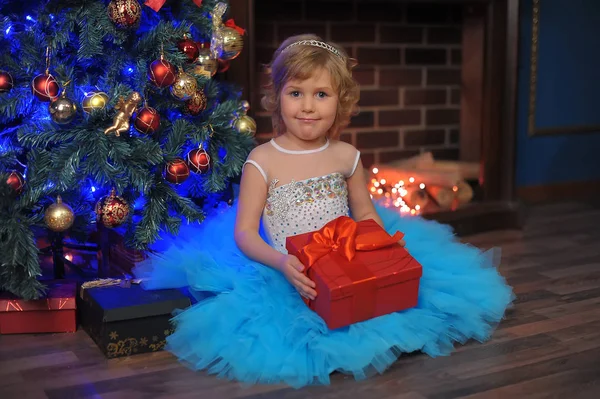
(361, 272)
(53, 313)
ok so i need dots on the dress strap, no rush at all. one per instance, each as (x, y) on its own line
(355, 163)
(262, 172)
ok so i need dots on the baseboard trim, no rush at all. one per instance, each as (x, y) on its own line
(567, 191)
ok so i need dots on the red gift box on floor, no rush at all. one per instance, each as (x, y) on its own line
(361, 272)
(53, 313)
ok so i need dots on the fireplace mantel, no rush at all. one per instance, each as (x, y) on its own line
(488, 103)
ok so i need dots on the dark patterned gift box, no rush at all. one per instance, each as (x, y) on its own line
(127, 320)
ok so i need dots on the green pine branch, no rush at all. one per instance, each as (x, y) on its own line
(19, 257)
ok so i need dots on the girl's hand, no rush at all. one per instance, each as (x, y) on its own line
(402, 243)
(292, 268)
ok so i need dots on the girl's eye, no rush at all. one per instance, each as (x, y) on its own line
(322, 94)
(294, 93)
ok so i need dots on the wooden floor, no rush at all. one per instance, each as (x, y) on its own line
(548, 346)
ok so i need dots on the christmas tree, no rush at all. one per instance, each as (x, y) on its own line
(113, 113)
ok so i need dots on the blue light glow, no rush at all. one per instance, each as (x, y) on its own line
(139, 203)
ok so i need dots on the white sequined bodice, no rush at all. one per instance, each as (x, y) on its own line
(303, 206)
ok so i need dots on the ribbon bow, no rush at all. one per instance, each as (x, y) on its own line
(230, 23)
(156, 5)
(340, 236)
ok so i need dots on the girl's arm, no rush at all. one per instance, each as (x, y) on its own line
(252, 198)
(361, 206)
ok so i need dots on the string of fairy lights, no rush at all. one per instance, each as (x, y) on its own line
(409, 197)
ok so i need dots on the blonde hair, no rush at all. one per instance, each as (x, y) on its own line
(299, 62)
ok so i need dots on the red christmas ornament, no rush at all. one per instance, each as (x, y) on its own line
(223, 65)
(147, 120)
(112, 210)
(45, 87)
(198, 160)
(162, 73)
(16, 181)
(196, 104)
(125, 13)
(189, 48)
(6, 82)
(176, 171)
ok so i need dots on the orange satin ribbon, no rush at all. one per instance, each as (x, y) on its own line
(340, 235)
(157, 4)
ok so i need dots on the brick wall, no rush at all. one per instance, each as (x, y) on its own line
(409, 69)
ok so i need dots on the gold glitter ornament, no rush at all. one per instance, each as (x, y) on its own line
(59, 216)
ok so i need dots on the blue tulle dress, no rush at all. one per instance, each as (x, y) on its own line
(255, 328)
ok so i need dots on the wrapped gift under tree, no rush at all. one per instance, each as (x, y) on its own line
(124, 319)
(54, 312)
(361, 272)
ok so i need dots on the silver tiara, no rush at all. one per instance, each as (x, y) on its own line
(315, 43)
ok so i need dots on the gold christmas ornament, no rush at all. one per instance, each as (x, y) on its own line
(226, 43)
(59, 216)
(246, 125)
(126, 109)
(62, 110)
(184, 87)
(94, 100)
(233, 43)
(204, 64)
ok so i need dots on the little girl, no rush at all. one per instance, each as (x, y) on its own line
(254, 326)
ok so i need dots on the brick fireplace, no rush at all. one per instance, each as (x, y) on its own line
(435, 76)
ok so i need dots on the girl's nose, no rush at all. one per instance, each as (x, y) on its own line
(308, 104)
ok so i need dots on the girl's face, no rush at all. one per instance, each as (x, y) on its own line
(309, 107)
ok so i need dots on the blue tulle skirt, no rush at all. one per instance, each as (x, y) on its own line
(252, 326)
